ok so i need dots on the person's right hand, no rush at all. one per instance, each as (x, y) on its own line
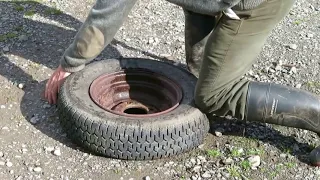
(54, 83)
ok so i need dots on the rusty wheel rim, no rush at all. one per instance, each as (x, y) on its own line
(136, 93)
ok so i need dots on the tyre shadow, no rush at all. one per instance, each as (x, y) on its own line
(264, 133)
(42, 45)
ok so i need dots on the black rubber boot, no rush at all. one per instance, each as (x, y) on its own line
(197, 30)
(283, 105)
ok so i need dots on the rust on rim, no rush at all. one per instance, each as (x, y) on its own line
(135, 93)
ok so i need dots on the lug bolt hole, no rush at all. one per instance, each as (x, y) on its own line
(135, 111)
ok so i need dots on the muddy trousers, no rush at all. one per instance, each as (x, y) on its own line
(220, 50)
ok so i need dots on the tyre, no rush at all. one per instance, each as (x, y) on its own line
(133, 109)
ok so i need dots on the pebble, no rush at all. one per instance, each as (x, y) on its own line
(9, 164)
(219, 175)
(206, 174)
(201, 146)
(193, 161)
(1, 154)
(23, 38)
(201, 158)
(254, 161)
(293, 70)
(6, 49)
(296, 148)
(21, 86)
(293, 46)
(2, 163)
(147, 178)
(298, 86)
(310, 35)
(2, 106)
(49, 149)
(151, 40)
(57, 152)
(240, 151)
(34, 120)
(228, 161)
(37, 169)
(226, 175)
(278, 68)
(46, 106)
(24, 150)
(197, 168)
(218, 134)
(272, 70)
(282, 155)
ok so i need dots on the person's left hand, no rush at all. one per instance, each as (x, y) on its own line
(54, 83)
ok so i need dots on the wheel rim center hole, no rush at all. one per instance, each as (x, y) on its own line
(135, 110)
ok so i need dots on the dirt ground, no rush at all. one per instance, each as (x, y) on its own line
(34, 35)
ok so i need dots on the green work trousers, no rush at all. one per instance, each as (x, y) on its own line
(228, 53)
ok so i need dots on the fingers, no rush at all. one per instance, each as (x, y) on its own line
(53, 85)
(54, 95)
(50, 89)
(47, 90)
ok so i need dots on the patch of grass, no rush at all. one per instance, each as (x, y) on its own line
(273, 175)
(19, 7)
(234, 171)
(30, 13)
(214, 153)
(9, 99)
(290, 164)
(255, 151)
(297, 22)
(313, 145)
(279, 167)
(2, 38)
(34, 65)
(53, 11)
(11, 35)
(263, 169)
(27, 1)
(18, 28)
(245, 164)
(248, 142)
(235, 153)
(313, 84)
(117, 171)
(7, 36)
(276, 171)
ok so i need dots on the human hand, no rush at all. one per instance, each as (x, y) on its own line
(54, 83)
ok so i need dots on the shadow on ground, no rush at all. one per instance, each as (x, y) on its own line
(45, 45)
(264, 133)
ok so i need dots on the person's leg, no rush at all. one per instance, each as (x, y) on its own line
(197, 29)
(230, 51)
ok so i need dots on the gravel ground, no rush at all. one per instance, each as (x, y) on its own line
(33, 36)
